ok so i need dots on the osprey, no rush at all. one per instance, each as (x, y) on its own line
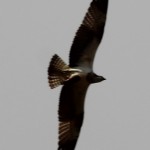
(78, 75)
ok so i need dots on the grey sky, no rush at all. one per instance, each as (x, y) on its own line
(117, 111)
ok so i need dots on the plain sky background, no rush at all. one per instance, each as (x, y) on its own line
(117, 111)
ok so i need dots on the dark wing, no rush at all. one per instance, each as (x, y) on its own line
(89, 35)
(71, 114)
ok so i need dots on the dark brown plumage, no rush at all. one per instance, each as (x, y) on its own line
(77, 77)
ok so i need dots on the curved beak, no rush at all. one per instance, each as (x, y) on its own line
(102, 78)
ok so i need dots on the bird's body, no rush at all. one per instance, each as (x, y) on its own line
(78, 75)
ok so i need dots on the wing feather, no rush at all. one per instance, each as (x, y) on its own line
(89, 35)
(71, 110)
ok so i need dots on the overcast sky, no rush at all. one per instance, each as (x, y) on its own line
(117, 111)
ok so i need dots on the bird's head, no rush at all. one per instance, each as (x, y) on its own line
(94, 78)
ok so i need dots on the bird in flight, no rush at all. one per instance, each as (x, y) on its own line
(78, 75)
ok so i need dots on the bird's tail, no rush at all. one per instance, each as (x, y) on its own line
(57, 72)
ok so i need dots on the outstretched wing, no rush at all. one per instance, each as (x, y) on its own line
(89, 35)
(71, 114)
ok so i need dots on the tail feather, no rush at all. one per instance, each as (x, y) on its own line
(56, 71)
